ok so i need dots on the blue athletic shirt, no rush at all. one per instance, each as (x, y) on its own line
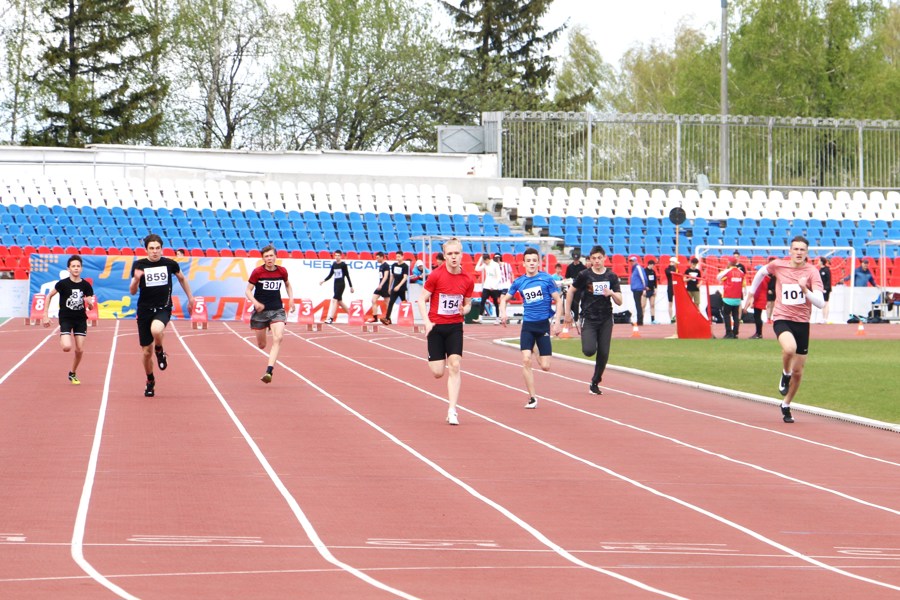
(537, 295)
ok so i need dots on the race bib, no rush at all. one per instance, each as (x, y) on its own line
(270, 284)
(533, 294)
(448, 304)
(338, 274)
(599, 287)
(156, 276)
(792, 294)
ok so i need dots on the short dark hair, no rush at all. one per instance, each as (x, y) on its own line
(800, 238)
(74, 258)
(267, 248)
(439, 256)
(338, 251)
(152, 237)
(531, 251)
(596, 250)
(379, 254)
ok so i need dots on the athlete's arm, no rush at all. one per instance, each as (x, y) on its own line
(46, 320)
(423, 310)
(757, 279)
(503, 300)
(290, 293)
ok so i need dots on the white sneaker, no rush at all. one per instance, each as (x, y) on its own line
(329, 321)
(532, 403)
(452, 418)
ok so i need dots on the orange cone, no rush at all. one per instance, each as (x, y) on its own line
(565, 333)
(860, 330)
(635, 332)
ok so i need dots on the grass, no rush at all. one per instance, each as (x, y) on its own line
(860, 377)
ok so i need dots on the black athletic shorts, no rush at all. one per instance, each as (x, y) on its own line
(444, 340)
(800, 331)
(69, 326)
(384, 292)
(146, 316)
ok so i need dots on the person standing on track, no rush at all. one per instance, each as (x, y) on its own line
(399, 279)
(383, 291)
(798, 287)
(264, 293)
(670, 286)
(152, 278)
(732, 279)
(341, 273)
(444, 302)
(541, 300)
(825, 275)
(599, 288)
(75, 296)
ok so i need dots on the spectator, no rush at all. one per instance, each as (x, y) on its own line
(825, 274)
(652, 283)
(638, 283)
(572, 271)
(692, 281)
(670, 286)
(732, 279)
(490, 282)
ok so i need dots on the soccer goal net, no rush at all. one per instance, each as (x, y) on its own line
(841, 263)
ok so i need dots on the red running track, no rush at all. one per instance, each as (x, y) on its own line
(342, 480)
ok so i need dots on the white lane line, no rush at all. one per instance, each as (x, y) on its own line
(533, 531)
(756, 535)
(27, 356)
(304, 521)
(695, 385)
(77, 550)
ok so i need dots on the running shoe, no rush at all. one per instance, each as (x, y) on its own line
(149, 391)
(329, 321)
(786, 414)
(371, 320)
(385, 321)
(532, 403)
(267, 378)
(784, 384)
(595, 389)
(161, 358)
(453, 418)
(756, 336)
(74, 379)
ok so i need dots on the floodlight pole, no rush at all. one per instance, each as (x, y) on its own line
(724, 167)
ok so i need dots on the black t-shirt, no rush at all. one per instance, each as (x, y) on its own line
(398, 270)
(155, 287)
(825, 274)
(341, 273)
(670, 280)
(692, 285)
(574, 269)
(268, 285)
(383, 268)
(651, 278)
(71, 298)
(594, 305)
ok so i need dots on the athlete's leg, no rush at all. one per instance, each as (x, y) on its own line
(79, 352)
(261, 338)
(528, 372)
(277, 328)
(65, 342)
(797, 365)
(454, 380)
(603, 338)
(789, 357)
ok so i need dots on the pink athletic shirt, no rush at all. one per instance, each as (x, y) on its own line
(791, 304)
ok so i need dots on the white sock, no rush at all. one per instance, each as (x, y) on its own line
(785, 373)
(784, 405)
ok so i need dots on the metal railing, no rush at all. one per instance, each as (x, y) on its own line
(650, 150)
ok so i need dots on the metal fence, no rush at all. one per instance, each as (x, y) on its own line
(682, 150)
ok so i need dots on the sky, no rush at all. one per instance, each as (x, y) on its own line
(617, 25)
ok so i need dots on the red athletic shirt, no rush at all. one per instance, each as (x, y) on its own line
(448, 293)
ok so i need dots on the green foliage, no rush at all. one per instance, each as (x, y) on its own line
(582, 75)
(356, 75)
(88, 60)
(857, 376)
(503, 54)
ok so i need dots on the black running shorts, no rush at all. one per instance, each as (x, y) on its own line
(800, 331)
(445, 340)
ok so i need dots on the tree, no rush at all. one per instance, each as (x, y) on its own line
(222, 45)
(19, 62)
(504, 55)
(90, 55)
(583, 78)
(356, 75)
